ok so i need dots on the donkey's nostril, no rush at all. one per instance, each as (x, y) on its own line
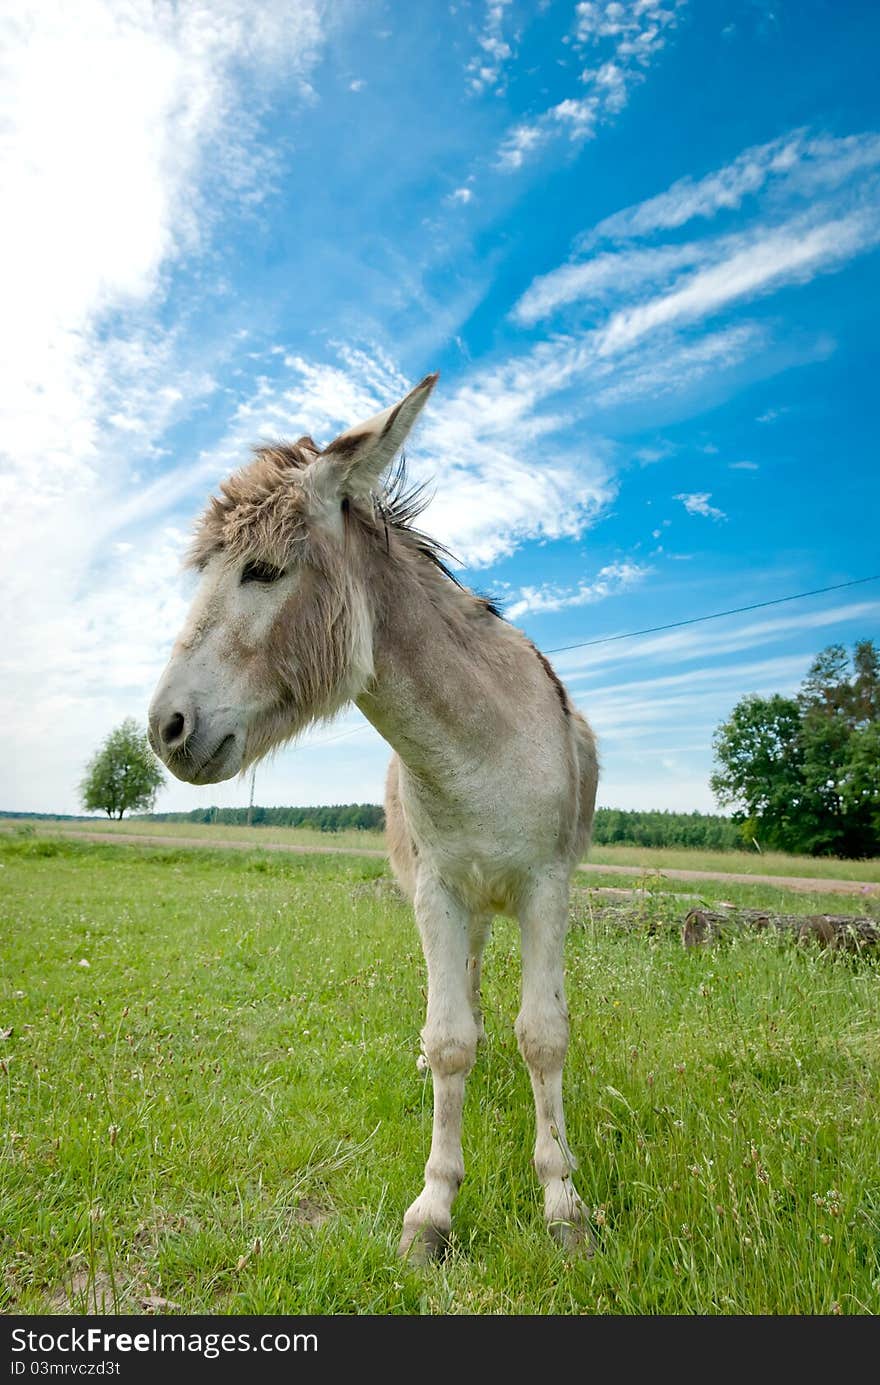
(171, 731)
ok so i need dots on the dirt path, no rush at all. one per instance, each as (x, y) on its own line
(805, 884)
(801, 883)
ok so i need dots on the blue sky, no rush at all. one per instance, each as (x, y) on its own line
(639, 242)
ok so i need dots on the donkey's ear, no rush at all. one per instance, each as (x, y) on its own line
(353, 462)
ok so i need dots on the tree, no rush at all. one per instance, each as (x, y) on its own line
(861, 787)
(761, 766)
(826, 686)
(866, 684)
(803, 772)
(123, 774)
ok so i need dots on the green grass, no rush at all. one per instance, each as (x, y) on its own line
(735, 862)
(640, 858)
(211, 833)
(223, 1107)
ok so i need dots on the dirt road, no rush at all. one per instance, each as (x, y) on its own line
(802, 883)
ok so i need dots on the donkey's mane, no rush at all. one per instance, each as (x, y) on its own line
(258, 515)
(398, 505)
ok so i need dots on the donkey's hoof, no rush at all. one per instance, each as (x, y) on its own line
(574, 1237)
(420, 1245)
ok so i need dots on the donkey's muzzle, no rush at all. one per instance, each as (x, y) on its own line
(197, 766)
(198, 763)
(186, 742)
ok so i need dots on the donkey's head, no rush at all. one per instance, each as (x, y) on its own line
(279, 633)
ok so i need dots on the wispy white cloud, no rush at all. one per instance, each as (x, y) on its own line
(749, 676)
(487, 68)
(710, 641)
(793, 254)
(316, 397)
(632, 35)
(743, 466)
(603, 278)
(727, 269)
(609, 581)
(796, 165)
(576, 116)
(641, 707)
(626, 36)
(649, 306)
(117, 181)
(610, 83)
(649, 455)
(668, 364)
(518, 143)
(638, 24)
(498, 450)
(131, 188)
(91, 377)
(657, 298)
(698, 504)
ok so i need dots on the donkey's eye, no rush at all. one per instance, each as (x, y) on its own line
(260, 572)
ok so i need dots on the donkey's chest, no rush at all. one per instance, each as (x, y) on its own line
(486, 839)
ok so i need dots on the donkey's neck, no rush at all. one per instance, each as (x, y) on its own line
(441, 663)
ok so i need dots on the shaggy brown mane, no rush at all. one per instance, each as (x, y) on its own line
(399, 504)
(259, 514)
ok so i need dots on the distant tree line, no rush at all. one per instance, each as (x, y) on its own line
(619, 827)
(47, 817)
(337, 817)
(613, 826)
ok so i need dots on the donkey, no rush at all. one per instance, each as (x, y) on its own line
(318, 590)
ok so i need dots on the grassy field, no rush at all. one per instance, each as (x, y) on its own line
(735, 862)
(640, 858)
(213, 834)
(211, 1097)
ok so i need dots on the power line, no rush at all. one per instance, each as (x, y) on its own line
(337, 736)
(716, 615)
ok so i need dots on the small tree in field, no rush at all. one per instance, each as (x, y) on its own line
(123, 774)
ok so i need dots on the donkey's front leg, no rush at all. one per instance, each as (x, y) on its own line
(449, 1039)
(542, 1032)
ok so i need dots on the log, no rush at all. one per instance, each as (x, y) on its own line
(702, 925)
(841, 932)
